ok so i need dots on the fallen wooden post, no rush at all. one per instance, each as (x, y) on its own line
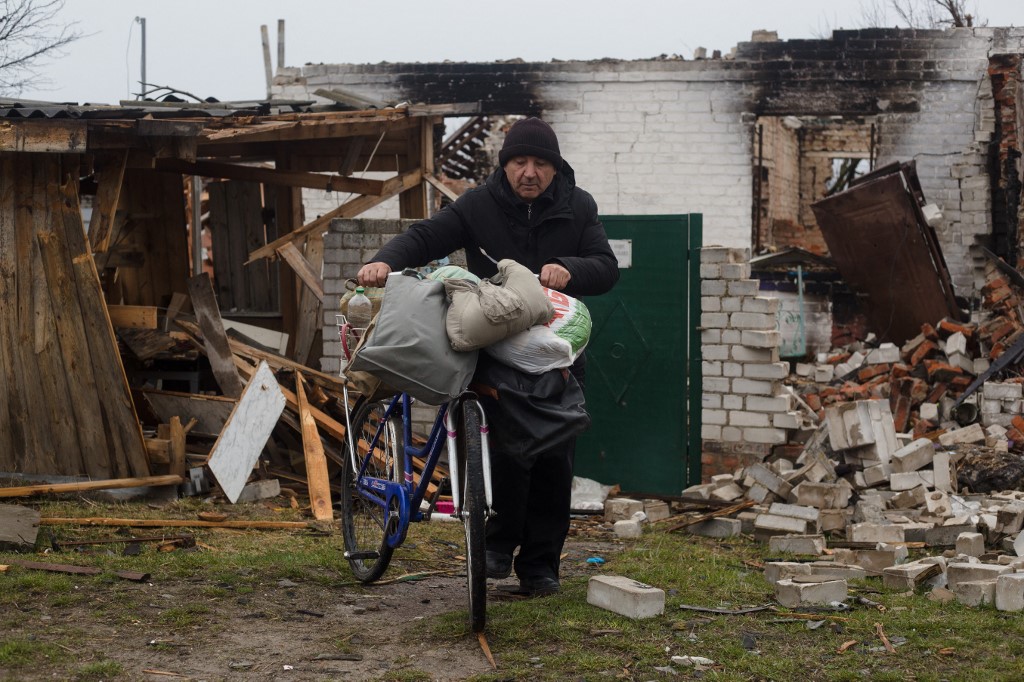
(79, 570)
(82, 486)
(172, 523)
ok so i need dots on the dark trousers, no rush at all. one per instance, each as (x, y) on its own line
(531, 510)
(531, 505)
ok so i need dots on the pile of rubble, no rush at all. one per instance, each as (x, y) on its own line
(861, 495)
(931, 381)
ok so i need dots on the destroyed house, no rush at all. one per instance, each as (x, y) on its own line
(153, 254)
(752, 140)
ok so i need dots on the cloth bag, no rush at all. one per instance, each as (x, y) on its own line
(407, 346)
(498, 307)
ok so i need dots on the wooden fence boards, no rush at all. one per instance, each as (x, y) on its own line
(65, 405)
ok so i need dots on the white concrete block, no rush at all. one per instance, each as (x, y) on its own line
(625, 596)
(797, 544)
(1010, 592)
(792, 594)
(917, 455)
(975, 592)
(971, 544)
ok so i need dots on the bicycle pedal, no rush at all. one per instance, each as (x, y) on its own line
(361, 556)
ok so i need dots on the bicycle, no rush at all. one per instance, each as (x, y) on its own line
(380, 494)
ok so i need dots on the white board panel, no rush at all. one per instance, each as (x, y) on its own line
(239, 445)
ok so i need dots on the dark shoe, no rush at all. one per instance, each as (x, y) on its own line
(539, 587)
(499, 565)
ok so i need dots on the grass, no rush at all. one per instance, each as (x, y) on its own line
(555, 638)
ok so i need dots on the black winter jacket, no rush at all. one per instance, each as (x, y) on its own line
(491, 223)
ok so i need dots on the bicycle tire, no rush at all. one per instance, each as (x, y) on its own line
(364, 524)
(474, 511)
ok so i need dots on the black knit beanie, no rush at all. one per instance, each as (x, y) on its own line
(530, 137)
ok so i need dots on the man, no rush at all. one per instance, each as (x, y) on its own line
(530, 210)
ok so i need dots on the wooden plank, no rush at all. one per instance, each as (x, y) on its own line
(302, 268)
(239, 198)
(349, 209)
(78, 570)
(172, 523)
(12, 420)
(215, 340)
(348, 166)
(441, 187)
(31, 216)
(210, 412)
(133, 316)
(74, 348)
(114, 395)
(110, 168)
(249, 214)
(240, 443)
(289, 214)
(310, 128)
(413, 203)
(50, 135)
(83, 486)
(317, 479)
(220, 234)
(310, 306)
(327, 182)
(177, 465)
(48, 372)
(146, 344)
(19, 526)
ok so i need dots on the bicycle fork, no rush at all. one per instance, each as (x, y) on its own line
(453, 456)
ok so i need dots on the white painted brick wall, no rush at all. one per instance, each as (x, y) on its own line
(663, 137)
(742, 399)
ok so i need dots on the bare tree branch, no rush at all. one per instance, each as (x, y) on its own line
(30, 33)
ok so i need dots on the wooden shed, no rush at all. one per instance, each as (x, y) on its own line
(66, 403)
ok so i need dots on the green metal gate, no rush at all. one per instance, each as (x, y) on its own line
(643, 361)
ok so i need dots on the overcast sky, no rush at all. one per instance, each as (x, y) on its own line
(212, 48)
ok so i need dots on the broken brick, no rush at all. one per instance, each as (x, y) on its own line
(925, 350)
(935, 395)
(872, 371)
(947, 328)
(942, 371)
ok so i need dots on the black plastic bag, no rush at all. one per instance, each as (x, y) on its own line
(533, 413)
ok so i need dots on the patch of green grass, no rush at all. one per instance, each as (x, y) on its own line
(23, 653)
(185, 616)
(100, 670)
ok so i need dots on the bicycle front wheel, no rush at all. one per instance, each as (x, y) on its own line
(473, 513)
(364, 523)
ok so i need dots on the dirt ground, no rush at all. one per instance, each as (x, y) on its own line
(280, 631)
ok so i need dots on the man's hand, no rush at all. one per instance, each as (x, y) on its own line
(554, 276)
(374, 274)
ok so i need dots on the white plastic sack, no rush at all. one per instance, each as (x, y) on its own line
(554, 345)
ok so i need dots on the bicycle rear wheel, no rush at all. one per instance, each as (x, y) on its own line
(365, 524)
(474, 511)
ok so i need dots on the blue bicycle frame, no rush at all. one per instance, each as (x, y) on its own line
(403, 496)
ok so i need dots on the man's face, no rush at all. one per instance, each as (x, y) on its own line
(529, 176)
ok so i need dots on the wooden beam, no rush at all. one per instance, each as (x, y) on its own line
(350, 209)
(110, 168)
(441, 187)
(67, 136)
(177, 467)
(171, 523)
(215, 339)
(82, 486)
(311, 305)
(317, 478)
(271, 176)
(133, 316)
(303, 270)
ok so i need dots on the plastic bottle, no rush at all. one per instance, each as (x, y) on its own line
(360, 310)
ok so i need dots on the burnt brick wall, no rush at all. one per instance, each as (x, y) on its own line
(675, 136)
